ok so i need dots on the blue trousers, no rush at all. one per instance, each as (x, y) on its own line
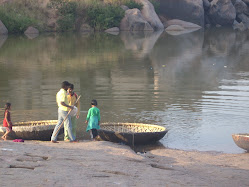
(67, 124)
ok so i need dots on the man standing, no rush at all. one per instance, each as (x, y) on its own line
(63, 108)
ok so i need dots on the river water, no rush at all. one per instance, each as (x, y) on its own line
(195, 84)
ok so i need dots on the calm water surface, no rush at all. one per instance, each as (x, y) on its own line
(196, 85)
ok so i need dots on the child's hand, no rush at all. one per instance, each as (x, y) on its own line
(77, 116)
(86, 121)
(99, 124)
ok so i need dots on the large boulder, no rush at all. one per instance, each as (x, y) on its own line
(187, 10)
(184, 24)
(246, 1)
(206, 4)
(238, 26)
(244, 19)
(31, 30)
(222, 12)
(134, 21)
(150, 15)
(3, 29)
(178, 30)
(240, 7)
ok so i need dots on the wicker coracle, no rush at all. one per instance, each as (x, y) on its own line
(241, 140)
(32, 130)
(131, 133)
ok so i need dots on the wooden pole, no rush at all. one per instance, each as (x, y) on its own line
(66, 116)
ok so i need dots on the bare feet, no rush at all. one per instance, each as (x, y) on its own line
(54, 141)
(4, 138)
(75, 141)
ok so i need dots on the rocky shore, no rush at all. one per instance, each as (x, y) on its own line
(174, 15)
(36, 163)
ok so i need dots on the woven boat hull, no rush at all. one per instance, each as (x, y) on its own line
(241, 140)
(32, 130)
(134, 135)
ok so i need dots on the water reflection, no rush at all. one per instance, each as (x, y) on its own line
(196, 84)
(140, 42)
(3, 38)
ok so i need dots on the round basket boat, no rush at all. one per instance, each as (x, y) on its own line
(241, 140)
(31, 130)
(131, 133)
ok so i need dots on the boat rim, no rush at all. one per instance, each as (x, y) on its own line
(241, 134)
(162, 129)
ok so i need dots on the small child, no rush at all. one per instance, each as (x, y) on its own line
(93, 120)
(7, 121)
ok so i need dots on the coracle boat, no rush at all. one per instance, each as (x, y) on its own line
(131, 133)
(241, 140)
(32, 130)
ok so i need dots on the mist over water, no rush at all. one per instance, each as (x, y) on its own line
(196, 84)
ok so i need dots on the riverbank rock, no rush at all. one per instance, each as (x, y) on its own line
(3, 29)
(239, 26)
(246, 2)
(187, 10)
(150, 15)
(244, 19)
(222, 12)
(31, 30)
(240, 7)
(175, 28)
(178, 30)
(113, 31)
(206, 4)
(134, 21)
(184, 24)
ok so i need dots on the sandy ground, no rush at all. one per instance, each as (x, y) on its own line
(36, 163)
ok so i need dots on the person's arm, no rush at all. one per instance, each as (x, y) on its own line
(64, 104)
(88, 115)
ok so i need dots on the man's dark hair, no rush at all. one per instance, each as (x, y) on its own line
(65, 84)
(71, 86)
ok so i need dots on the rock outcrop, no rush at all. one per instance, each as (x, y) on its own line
(31, 30)
(222, 12)
(244, 19)
(238, 26)
(134, 21)
(187, 10)
(184, 24)
(178, 30)
(240, 7)
(150, 15)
